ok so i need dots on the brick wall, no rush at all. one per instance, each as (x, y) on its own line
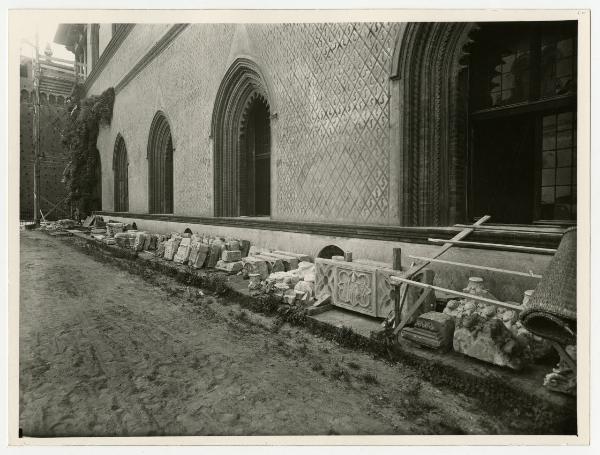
(329, 88)
(52, 164)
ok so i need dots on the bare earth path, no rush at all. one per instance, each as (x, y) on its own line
(104, 353)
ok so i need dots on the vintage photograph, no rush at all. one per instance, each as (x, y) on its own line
(298, 228)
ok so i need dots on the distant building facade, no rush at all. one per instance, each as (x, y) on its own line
(56, 80)
(335, 131)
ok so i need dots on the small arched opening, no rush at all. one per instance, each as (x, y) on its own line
(329, 251)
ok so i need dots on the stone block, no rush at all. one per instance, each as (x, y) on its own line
(289, 262)
(244, 247)
(254, 282)
(171, 247)
(354, 286)
(214, 255)
(139, 240)
(160, 248)
(254, 265)
(254, 250)
(488, 340)
(232, 245)
(433, 330)
(231, 255)
(306, 287)
(229, 267)
(289, 296)
(299, 256)
(274, 264)
(183, 252)
(153, 243)
(194, 248)
(201, 256)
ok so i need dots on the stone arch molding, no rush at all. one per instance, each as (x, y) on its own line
(430, 67)
(242, 84)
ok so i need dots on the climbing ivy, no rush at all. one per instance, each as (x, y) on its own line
(85, 116)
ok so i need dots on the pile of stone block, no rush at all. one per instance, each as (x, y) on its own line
(113, 227)
(492, 333)
(290, 276)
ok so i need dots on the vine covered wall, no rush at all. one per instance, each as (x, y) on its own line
(82, 176)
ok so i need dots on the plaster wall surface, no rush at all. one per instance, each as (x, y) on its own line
(329, 93)
(104, 37)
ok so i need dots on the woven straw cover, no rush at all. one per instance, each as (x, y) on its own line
(552, 310)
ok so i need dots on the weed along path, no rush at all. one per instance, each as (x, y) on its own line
(107, 353)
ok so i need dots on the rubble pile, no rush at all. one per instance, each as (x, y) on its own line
(492, 333)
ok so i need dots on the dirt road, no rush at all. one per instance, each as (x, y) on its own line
(105, 353)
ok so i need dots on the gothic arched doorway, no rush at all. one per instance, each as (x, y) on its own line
(160, 166)
(429, 67)
(241, 131)
(487, 121)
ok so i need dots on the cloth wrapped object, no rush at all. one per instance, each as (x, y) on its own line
(551, 312)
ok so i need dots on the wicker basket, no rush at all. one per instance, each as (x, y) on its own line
(551, 312)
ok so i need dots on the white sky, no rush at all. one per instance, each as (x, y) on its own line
(46, 31)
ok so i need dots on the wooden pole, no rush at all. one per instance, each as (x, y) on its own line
(478, 267)
(512, 228)
(416, 268)
(519, 248)
(396, 280)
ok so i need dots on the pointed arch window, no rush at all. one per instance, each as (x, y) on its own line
(160, 166)
(121, 177)
(241, 129)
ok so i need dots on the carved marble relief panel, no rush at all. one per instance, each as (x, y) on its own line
(385, 300)
(357, 287)
(323, 277)
(354, 289)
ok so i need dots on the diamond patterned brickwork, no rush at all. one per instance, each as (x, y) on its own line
(331, 137)
(330, 140)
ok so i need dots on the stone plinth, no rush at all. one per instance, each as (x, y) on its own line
(231, 255)
(229, 267)
(433, 330)
(254, 265)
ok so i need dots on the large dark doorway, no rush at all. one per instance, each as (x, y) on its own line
(257, 158)
(523, 104)
(502, 174)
